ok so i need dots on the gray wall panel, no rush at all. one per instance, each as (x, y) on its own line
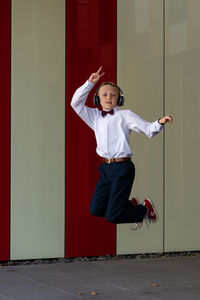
(38, 128)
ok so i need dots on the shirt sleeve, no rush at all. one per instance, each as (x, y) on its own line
(138, 124)
(86, 113)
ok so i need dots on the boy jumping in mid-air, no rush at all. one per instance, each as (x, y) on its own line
(112, 128)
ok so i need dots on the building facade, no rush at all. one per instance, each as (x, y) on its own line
(49, 164)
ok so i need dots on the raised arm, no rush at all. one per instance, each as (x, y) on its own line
(86, 113)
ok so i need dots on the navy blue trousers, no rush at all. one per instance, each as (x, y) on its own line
(110, 199)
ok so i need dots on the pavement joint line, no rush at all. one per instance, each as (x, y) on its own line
(6, 297)
(117, 286)
(24, 277)
(46, 285)
(59, 290)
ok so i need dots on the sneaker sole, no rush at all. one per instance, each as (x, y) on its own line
(136, 226)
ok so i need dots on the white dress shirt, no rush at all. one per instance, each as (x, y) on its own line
(112, 131)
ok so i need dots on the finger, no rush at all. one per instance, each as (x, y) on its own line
(99, 70)
(100, 75)
(169, 119)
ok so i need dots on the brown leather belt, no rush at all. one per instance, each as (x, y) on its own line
(111, 160)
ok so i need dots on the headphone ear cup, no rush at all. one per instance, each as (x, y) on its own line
(96, 100)
(120, 101)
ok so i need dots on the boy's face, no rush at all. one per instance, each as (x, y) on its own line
(108, 95)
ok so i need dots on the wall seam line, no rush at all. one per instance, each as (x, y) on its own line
(10, 210)
(164, 100)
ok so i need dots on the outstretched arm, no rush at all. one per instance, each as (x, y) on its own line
(151, 129)
(165, 119)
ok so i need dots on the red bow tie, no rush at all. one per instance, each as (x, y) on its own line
(104, 112)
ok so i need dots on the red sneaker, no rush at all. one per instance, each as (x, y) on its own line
(135, 201)
(151, 210)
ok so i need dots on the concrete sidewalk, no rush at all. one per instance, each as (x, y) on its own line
(155, 278)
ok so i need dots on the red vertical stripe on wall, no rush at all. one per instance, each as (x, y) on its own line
(5, 20)
(90, 43)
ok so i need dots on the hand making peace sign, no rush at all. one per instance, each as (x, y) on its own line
(94, 77)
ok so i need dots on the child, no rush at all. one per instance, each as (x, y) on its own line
(112, 128)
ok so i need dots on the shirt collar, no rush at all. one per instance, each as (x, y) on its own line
(115, 109)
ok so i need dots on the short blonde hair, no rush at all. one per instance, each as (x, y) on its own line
(107, 83)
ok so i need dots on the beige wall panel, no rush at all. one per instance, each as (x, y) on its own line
(38, 128)
(140, 75)
(183, 138)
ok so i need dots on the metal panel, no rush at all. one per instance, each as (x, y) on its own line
(92, 44)
(140, 75)
(183, 140)
(5, 24)
(38, 129)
